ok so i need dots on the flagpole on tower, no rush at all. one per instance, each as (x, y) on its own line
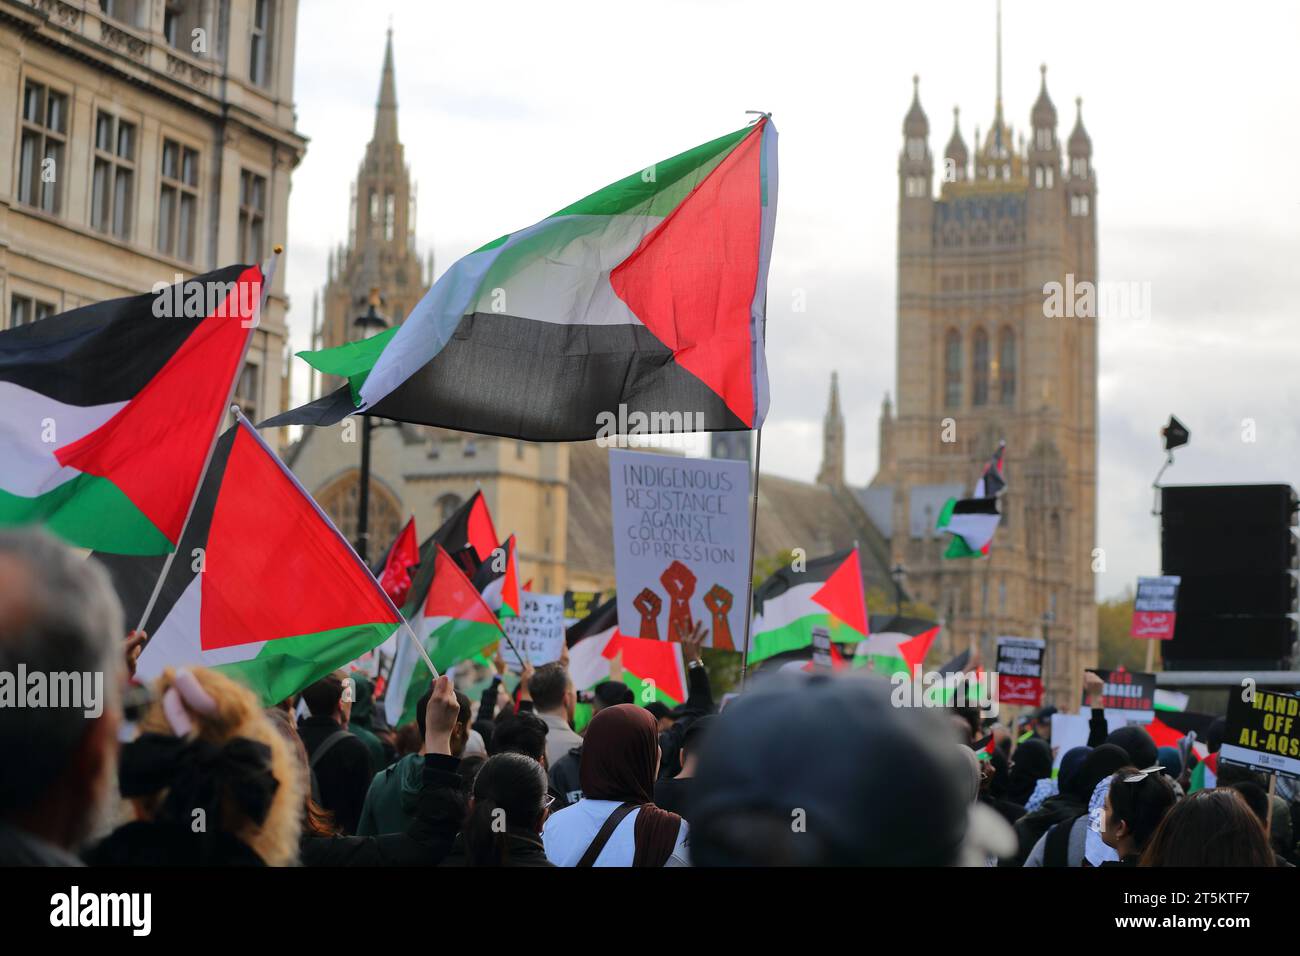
(268, 278)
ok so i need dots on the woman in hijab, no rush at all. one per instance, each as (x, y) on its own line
(1031, 762)
(1055, 835)
(616, 822)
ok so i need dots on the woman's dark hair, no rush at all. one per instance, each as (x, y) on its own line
(1141, 805)
(508, 792)
(1209, 828)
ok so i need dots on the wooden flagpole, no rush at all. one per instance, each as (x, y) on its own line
(268, 277)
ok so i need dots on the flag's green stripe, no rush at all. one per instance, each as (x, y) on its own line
(450, 644)
(797, 634)
(352, 360)
(643, 693)
(284, 667)
(885, 665)
(958, 548)
(89, 512)
(946, 514)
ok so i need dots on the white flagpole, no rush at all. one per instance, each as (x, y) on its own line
(268, 277)
(406, 625)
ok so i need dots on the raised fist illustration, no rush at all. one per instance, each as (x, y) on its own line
(648, 605)
(679, 582)
(718, 600)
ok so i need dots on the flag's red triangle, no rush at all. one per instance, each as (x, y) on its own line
(404, 555)
(273, 567)
(510, 586)
(691, 280)
(914, 649)
(842, 594)
(650, 660)
(153, 449)
(482, 535)
(452, 595)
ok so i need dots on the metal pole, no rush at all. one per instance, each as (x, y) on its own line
(753, 538)
(363, 495)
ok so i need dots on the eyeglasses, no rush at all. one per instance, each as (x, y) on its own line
(1142, 774)
(547, 801)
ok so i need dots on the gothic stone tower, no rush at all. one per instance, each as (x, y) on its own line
(380, 252)
(979, 361)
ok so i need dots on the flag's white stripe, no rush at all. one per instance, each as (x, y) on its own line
(975, 529)
(785, 608)
(177, 641)
(587, 664)
(32, 427)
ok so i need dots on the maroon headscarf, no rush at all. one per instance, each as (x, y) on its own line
(620, 755)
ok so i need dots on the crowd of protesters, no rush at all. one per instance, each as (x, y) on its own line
(800, 769)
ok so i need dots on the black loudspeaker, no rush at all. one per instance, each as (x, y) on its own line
(1234, 549)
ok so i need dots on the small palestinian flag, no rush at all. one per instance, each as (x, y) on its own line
(654, 670)
(621, 313)
(263, 588)
(395, 570)
(827, 593)
(108, 412)
(453, 623)
(468, 535)
(973, 521)
(500, 587)
(897, 644)
(1205, 775)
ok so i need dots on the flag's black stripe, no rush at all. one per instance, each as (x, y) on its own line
(101, 353)
(327, 410)
(599, 620)
(786, 577)
(540, 381)
(975, 506)
(453, 535)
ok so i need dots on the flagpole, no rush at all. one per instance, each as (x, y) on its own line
(268, 277)
(406, 625)
(753, 538)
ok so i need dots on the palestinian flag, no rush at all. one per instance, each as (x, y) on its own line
(108, 412)
(973, 521)
(453, 623)
(1205, 775)
(828, 593)
(640, 303)
(654, 670)
(394, 572)
(896, 644)
(500, 587)
(264, 587)
(468, 535)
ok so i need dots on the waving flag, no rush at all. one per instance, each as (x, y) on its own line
(596, 640)
(108, 412)
(263, 587)
(827, 593)
(896, 644)
(395, 570)
(644, 301)
(973, 521)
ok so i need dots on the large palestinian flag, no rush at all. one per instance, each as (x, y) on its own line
(643, 301)
(263, 587)
(898, 644)
(654, 670)
(827, 593)
(453, 622)
(973, 521)
(108, 412)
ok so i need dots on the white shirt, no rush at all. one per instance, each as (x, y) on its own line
(569, 832)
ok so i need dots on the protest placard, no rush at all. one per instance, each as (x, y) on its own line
(1263, 732)
(1154, 607)
(1020, 670)
(1128, 697)
(537, 632)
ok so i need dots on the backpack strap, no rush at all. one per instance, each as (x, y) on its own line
(1056, 851)
(606, 831)
(325, 746)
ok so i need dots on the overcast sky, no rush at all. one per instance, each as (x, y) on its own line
(511, 110)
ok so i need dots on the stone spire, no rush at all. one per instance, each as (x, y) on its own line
(386, 107)
(832, 470)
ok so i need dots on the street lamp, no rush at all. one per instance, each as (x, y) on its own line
(367, 324)
(897, 572)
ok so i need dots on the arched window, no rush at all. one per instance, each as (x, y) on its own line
(446, 506)
(1007, 367)
(341, 499)
(980, 369)
(952, 369)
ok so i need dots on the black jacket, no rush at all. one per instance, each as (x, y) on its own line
(699, 702)
(438, 815)
(154, 843)
(523, 848)
(565, 781)
(343, 773)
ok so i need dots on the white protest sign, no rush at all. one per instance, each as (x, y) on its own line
(681, 545)
(1068, 731)
(538, 631)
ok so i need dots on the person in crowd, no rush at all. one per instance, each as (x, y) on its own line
(673, 794)
(388, 805)
(521, 733)
(1042, 725)
(609, 693)
(407, 739)
(1031, 761)
(660, 711)
(206, 753)
(775, 787)
(1278, 827)
(361, 719)
(554, 698)
(699, 700)
(1209, 828)
(507, 811)
(616, 823)
(1135, 742)
(1061, 825)
(1136, 802)
(339, 760)
(58, 613)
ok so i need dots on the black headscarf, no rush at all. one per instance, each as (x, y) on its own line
(1137, 743)
(1030, 762)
